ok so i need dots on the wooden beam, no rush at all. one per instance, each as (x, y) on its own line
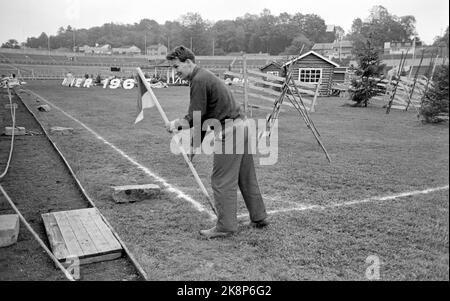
(268, 76)
(253, 79)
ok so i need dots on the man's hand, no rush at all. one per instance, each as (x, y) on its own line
(173, 125)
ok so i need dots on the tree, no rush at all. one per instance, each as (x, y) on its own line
(435, 100)
(365, 87)
(314, 28)
(300, 42)
(229, 35)
(11, 43)
(441, 43)
(194, 31)
(381, 27)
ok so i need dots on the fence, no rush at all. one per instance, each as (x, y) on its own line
(269, 87)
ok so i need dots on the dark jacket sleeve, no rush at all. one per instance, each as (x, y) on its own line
(198, 100)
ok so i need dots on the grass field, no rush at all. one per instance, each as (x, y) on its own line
(319, 230)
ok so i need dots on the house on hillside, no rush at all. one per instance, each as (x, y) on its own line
(105, 49)
(128, 50)
(156, 50)
(324, 49)
(342, 49)
(401, 47)
(337, 50)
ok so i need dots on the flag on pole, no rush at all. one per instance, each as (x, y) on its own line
(145, 99)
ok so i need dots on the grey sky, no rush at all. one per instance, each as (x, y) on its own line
(24, 18)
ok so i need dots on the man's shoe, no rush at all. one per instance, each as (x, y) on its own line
(260, 224)
(214, 233)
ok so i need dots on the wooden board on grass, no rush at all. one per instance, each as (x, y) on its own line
(81, 234)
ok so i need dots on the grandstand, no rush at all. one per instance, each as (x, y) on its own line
(34, 64)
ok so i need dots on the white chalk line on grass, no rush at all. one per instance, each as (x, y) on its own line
(168, 187)
(357, 202)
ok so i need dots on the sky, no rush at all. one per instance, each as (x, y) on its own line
(20, 19)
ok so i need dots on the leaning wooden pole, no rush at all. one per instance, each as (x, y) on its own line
(399, 72)
(303, 112)
(183, 152)
(415, 81)
(36, 236)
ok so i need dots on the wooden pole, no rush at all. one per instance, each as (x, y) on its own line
(313, 105)
(183, 152)
(399, 72)
(415, 81)
(413, 57)
(434, 68)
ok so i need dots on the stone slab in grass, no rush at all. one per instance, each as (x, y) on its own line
(9, 229)
(58, 130)
(135, 193)
(19, 131)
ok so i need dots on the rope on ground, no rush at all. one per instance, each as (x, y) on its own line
(36, 236)
(13, 117)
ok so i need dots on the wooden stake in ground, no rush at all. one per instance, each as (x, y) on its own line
(189, 163)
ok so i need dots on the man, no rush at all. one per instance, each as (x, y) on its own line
(213, 100)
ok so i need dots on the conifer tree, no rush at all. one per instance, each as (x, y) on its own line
(364, 87)
(435, 100)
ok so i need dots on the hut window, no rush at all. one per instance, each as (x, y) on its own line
(309, 75)
(276, 73)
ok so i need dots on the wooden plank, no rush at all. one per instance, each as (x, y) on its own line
(262, 107)
(259, 96)
(265, 90)
(105, 231)
(55, 237)
(101, 243)
(265, 75)
(70, 239)
(238, 75)
(270, 99)
(255, 79)
(400, 100)
(378, 97)
(308, 92)
(104, 257)
(259, 89)
(84, 240)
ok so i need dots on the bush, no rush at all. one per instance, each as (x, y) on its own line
(435, 100)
